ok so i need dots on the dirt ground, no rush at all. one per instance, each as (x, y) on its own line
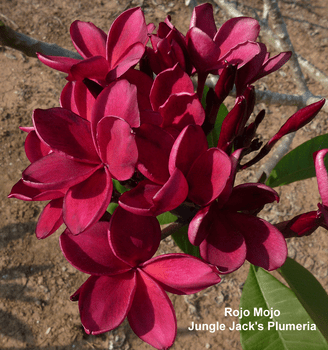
(35, 279)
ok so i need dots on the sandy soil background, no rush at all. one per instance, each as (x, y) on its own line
(35, 279)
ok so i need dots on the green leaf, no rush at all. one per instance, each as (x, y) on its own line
(308, 291)
(118, 187)
(205, 91)
(262, 290)
(213, 136)
(298, 164)
(166, 218)
(111, 208)
(181, 239)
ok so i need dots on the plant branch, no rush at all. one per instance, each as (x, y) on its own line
(279, 27)
(29, 46)
(265, 169)
(172, 228)
(270, 97)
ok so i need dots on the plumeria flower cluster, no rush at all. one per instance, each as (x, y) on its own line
(129, 115)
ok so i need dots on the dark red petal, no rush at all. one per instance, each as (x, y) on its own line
(273, 64)
(242, 53)
(224, 246)
(171, 81)
(119, 99)
(152, 316)
(202, 18)
(67, 98)
(248, 73)
(298, 120)
(181, 273)
(129, 59)
(22, 190)
(232, 123)
(27, 129)
(304, 224)
(201, 224)
(105, 301)
(95, 67)
(208, 176)
(143, 82)
(50, 219)
(172, 194)
(153, 143)
(88, 39)
(204, 52)
(66, 132)
(128, 28)
(150, 117)
(63, 64)
(84, 100)
(35, 149)
(165, 53)
(323, 213)
(139, 200)
(236, 30)
(225, 194)
(181, 110)
(266, 246)
(86, 202)
(56, 172)
(188, 146)
(133, 238)
(300, 225)
(250, 196)
(150, 199)
(90, 252)
(117, 146)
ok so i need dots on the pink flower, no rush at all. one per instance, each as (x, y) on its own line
(84, 157)
(105, 58)
(233, 42)
(172, 96)
(168, 48)
(206, 170)
(195, 172)
(126, 282)
(51, 217)
(210, 49)
(226, 236)
(259, 66)
(227, 232)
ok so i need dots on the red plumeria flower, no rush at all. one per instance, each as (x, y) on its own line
(227, 233)
(258, 67)
(105, 57)
(195, 171)
(210, 48)
(152, 199)
(227, 236)
(172, 95)
(169, 48)
(126, 282)
(79, 98)
(206, 170)
(85, 156)
(51, 217)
